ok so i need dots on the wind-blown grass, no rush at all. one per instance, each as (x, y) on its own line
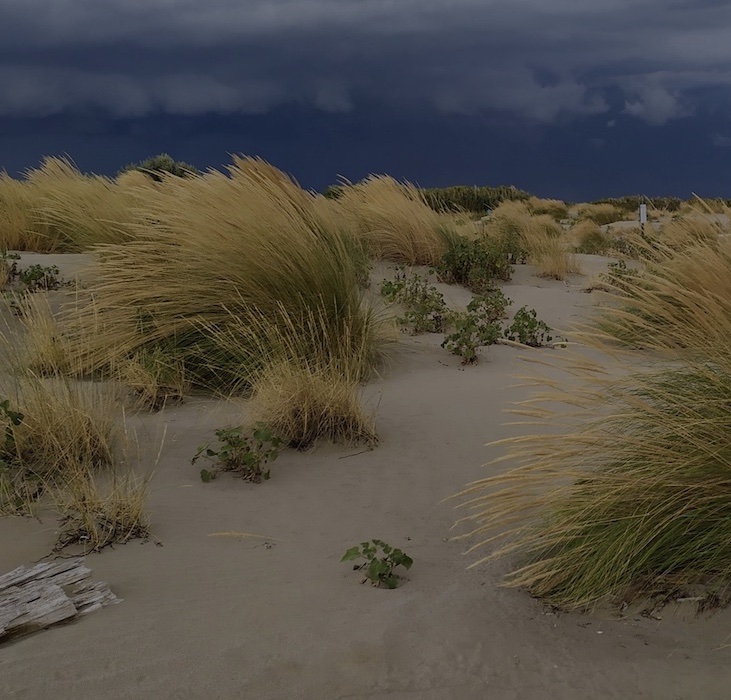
(57, 208)
(680, 299)
(627, 492)
(539, 236)
(305, 376)
(393, 221)
(632, 503)
(213, 252)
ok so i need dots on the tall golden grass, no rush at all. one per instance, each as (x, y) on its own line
(539, 235)
(18, 226)
(305, 376)
(601, 213)
(213, 251)
(679, 299)
(63, 439)
(588, 238)
(555, 208)
(393, 220)
(625, 493)
(57, 208)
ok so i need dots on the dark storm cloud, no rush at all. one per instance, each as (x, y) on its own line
(538, 61)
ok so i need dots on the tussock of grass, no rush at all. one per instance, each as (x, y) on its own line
(100, 511)
(589, 239)
(43, 342)
(621, 506)
(626, 494)
(304, 404)
(539, 235)
(393, 221)
(600, 213)
(696, 228)
(155, 377)
(548, 253)
(17, 219)
(680, 300)
(555, 208)
(65, 424)
(75, 212)
(216, 250)
(305, 376)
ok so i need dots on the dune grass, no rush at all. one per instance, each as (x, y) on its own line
(615, 508)
(536, 237)
(555, 208)
(99, 510)
(679, 299)
(19, 229)
(589, 239)
(303, 404)
(305, 376)
(625, 494)
(217, 250)
(393, 221)
(83, 211)
(63, 426)
(64, 441)
(600, 213)
(57, 208)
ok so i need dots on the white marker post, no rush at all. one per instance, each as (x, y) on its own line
(643, 218)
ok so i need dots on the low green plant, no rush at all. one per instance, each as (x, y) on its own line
(478, 327)
(425, 308)
(378, 568)
(35, 278)
(476, 264)
(527, 329)
(243, 454)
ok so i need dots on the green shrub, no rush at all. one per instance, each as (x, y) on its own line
(426, 310)
(476, 264)
(155, 166)
(527, 329)
(478, 327)
(471, 198)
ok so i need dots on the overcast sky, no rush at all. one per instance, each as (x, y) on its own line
(569, 98)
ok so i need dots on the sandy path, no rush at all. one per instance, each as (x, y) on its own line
(279, 617)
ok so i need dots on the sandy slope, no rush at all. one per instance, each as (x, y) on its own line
(279, 617)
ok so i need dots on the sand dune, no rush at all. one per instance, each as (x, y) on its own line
(275, 616)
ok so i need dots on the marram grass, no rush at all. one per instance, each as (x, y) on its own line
(213, 252)
(680, 299)
(393, 221)
(628, 492)
(631, 497)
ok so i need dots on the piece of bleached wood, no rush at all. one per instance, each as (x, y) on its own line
(62, 573)
(90, 596)
(33, 607)
(33, 598)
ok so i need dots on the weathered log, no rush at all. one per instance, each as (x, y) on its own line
(33, 598)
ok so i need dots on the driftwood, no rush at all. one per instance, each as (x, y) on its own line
(34, 598)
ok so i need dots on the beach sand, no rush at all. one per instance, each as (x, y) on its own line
(275, 615)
